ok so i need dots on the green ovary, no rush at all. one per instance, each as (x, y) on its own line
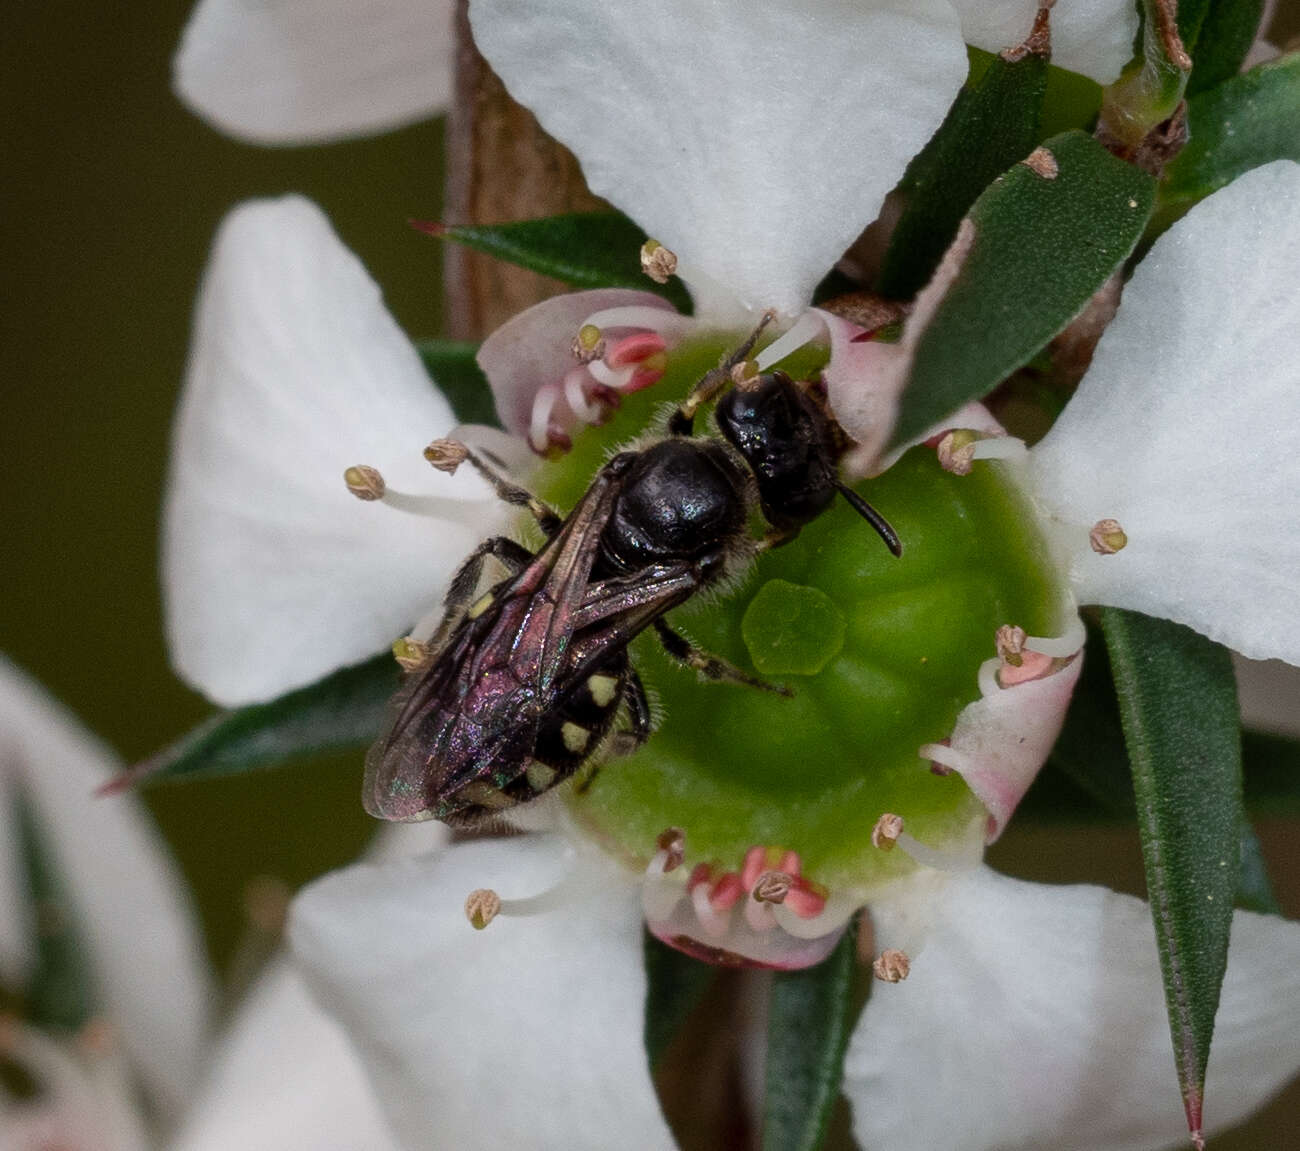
(881, 652)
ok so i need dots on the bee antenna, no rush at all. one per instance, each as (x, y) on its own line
(873, 517)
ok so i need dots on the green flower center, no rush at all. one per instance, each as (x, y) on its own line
(882, 653)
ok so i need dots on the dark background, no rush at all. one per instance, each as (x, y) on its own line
(112, 194)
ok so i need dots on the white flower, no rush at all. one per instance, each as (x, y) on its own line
(274, 579)
(312, 71)
(304, 71)
(123, 901)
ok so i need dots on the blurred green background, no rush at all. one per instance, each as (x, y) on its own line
(112, 195)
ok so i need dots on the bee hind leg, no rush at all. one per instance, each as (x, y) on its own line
(710, 666)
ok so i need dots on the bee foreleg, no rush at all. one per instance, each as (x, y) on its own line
(547, 518)
(465, 582)
(714, 382)
(709, 666)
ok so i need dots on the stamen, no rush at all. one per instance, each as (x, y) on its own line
(672, 846)
(886, 832)
(1107, 537)
(744, 373)
(410, 653)
(1000, 448)
(364, 482)
(576, 398)
(1010, 642)
(807, 328)
(539, 425)
(658, 262)
(481, 907)
(446, 455)
(588, 344)
(618, 380)
(956, 450)
(773, 887)
(665, 321)
(893, 966)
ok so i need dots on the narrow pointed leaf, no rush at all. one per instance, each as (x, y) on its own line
(1227, 32)
(675, 984)
(585, 250)
(1043, 245)
(810, 1017)
(1247, 121)
(342, 710)
(992, 124)
(1178, 702)
(454, 369)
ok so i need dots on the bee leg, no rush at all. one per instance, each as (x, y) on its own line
(710, 666)
(464, 583)
(714, 382)
(547, 518)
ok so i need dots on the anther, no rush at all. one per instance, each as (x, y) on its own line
(1107, 537)
(410, 653)
(657, 262)
(481, 907)
(364, 482)
(588, 344)
(672, 842)
(886, 832)
(956, 451)
(1010, 642)
(773, 887)
(892, 966)
(744, 374)
(446, 455)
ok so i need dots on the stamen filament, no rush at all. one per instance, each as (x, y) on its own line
(805, 330)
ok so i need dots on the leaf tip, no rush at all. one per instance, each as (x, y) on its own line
(1192, 1101)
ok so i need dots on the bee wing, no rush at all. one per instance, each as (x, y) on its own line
(473, 711)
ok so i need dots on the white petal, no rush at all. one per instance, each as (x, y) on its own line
(753, 139)
(535, 348)
(274, 574)
(1001, 740)
(1184, 429)
(525, 1035)
(307, 71)
(1035, 1017)
(1094, 37)
(286, 1079)
(127, 900)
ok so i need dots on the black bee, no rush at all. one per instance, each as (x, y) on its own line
(532, 680)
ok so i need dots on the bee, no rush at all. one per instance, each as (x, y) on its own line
(531, 681)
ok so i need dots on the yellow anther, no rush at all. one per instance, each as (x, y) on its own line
(1107, 537)
(892, 966)
(481, 907)
(657, 262)
(364, 482)
(886, 832)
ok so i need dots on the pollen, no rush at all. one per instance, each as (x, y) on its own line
(588, 344)
(1107, 537)
(480, 605)
(892, 966)
(658, 262)
(886, 832)
(446, 455)
(364, 482)
(956, 451)
(1010, 641)
(773, 887)
(481, 907)
(410, 653)
(540, 776)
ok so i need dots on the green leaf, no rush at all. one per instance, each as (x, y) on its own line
(585, 250)
(810, 1018)
(60, 990)
(675, 985)
(1178, 702)
(1151, 87)
(992, 124)
(342, 710)
(1042, 247)
(1227, 32)
(1245, 122)
(455, 371)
